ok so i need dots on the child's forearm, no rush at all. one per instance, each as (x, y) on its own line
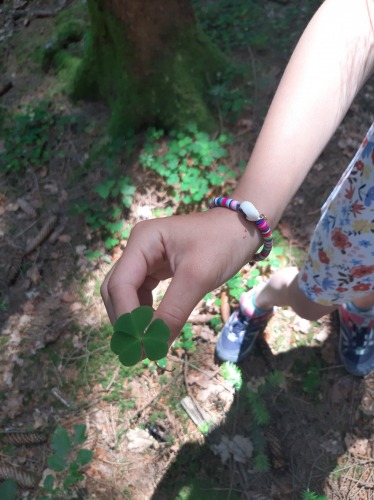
(331, 62)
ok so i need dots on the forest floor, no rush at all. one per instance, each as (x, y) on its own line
(56, 367)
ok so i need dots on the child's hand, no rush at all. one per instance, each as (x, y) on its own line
(199, 251)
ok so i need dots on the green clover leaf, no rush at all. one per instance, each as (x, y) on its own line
(134, 333)
(155, 340)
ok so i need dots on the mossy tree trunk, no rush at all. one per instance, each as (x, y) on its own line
(150, 61)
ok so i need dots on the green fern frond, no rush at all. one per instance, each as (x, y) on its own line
(310, 495)
(258, 408)
(262, 463)
(276, 378)
(232, 374)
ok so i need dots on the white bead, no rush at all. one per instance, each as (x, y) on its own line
(250, 211)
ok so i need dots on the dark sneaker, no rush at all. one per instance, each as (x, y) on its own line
(356, 341)
(239, 333)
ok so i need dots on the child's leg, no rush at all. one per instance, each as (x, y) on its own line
(364, 302)
(256, 307)
(356, 340)
(282, 289)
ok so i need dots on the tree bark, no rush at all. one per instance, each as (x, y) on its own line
(151, 62)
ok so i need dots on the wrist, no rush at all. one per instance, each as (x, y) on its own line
(251, 214)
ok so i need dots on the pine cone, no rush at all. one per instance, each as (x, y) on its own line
(277, 459)
(92, 437)
(20, 438)
(21, 477)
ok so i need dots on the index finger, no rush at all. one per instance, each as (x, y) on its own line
(130, 278)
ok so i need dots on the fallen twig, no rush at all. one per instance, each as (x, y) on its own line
(116, 372)
(14, 265)
(194, 367)
(5, 88)
(17, 14)
(18, 255)
(189, 403)
(193, 410)
(43, 234)
(57, 395)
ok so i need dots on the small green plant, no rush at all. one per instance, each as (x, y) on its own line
(189, 161)
(275, 379)
(104, 217)
(206, 426)
(185, 340)
(235, 24)
(216, 323)
(26, 139)
(103, 207)
(231, 93)
(235, 286)
(258, 408)
(310, 495)
(121, 187)
(261, 417)
(312, 379)
(262, 463)
(274, 260)
(232, 374)
(135, 332)
(66, 461)
(243, 24)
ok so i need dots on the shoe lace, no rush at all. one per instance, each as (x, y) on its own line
(361, 335)
(240, 324)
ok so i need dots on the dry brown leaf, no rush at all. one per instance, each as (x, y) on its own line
(206, 334)
(239, 447)
(68, 297)
(12, 207)
(34, 274)
(341, 391)
(356, 446)
(201, 380)
(64, 238)
(26, 207)
(140, 440)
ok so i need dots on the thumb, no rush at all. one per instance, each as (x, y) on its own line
(182, 295)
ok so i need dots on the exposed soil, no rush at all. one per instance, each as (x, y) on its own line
(56, 367)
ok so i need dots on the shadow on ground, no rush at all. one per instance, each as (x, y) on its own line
(305, 440)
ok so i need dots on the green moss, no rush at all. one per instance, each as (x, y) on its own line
(68, 32)
(182, 81)
(105, 69)
(67, 66)
(171, 93)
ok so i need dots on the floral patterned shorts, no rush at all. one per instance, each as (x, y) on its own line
(340, 263)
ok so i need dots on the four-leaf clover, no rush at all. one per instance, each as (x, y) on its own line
(135, 332)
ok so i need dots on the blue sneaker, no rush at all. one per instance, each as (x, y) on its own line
(239, 333)
(356, 340)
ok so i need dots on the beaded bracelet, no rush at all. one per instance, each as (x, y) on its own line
(251, 214)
